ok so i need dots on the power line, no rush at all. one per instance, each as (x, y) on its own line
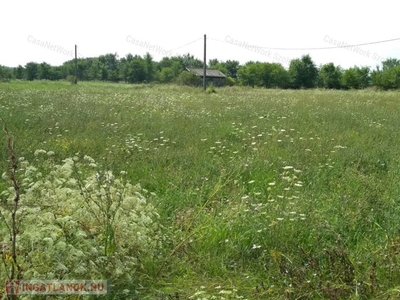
(314, 48)
(186, 44)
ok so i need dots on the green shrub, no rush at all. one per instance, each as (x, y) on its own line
(72, 79)
(229, 81)
(211, 89)
(188, 78)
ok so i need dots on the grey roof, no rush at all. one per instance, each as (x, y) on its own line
(209, 72)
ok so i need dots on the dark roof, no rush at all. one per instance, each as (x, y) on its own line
(209, 72)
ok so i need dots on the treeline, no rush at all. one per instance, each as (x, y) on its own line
(302, 72)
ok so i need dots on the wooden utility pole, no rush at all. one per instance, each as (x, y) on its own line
(76, 65)
(204, 65)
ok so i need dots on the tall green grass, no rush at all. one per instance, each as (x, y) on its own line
(264, 194)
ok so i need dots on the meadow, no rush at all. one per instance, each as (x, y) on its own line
(244, 193)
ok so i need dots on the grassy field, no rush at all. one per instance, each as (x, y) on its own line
(261, 194)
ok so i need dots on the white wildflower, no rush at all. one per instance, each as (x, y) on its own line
(287, 167)
(40, 151)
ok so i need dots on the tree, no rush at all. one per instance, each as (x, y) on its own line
(19, 72)
(232, 67)
(150, 67)
(390, 63)
(386, 79)
(330, 76)
(389, 76)
(356, 78)
(124, 63)
(109, 67)
(95, 69)
(303, 73)
(273, 75)
(31, 69)
(134, 70)
(249, 74)
(188, 61)
(364, 76)
(44, 71)
(350, 79)
(213, 62)
(169, 68)
(5, 73)
(56, 73)
(166, 75)
(268, 75)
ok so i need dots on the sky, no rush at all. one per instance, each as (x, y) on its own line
(47, 31)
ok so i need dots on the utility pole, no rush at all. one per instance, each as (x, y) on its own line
(204, 64)
(76, 65)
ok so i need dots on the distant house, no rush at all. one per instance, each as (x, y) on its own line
(215, 76)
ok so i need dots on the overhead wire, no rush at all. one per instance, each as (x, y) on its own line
(314, 48)
(185, 45)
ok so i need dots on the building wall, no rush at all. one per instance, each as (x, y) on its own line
(217, 81)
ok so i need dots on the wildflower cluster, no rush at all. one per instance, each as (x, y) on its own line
(76, 221)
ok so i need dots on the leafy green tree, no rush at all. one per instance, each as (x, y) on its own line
(249, 74)
(123, 70)
(135, 70)
(188, 61)
(83, 69)
(166, 75)
(330, 76)
(173, 67)
(212, 63)
(5, 73)
(67, 68)
(19, 72)
(150, 67)
(108, 66)
(390, 63)
(356, 78)
(166, 62)
(350, 79)
(174, 62)
(269, 75)
(389, 76)
(84, 65)
(386, 79)
(303, 73)
(232, 67)
(364, 76)
(220, 67)
(44, 71)
(229, 68)
(274, 75)
(56, 73)
(31, 70)
(95, 71)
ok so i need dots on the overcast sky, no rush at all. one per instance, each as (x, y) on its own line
(46, 31)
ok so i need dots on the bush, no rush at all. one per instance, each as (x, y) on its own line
(211, 88)
(229, 81)
(188, 78)
(72, 79)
